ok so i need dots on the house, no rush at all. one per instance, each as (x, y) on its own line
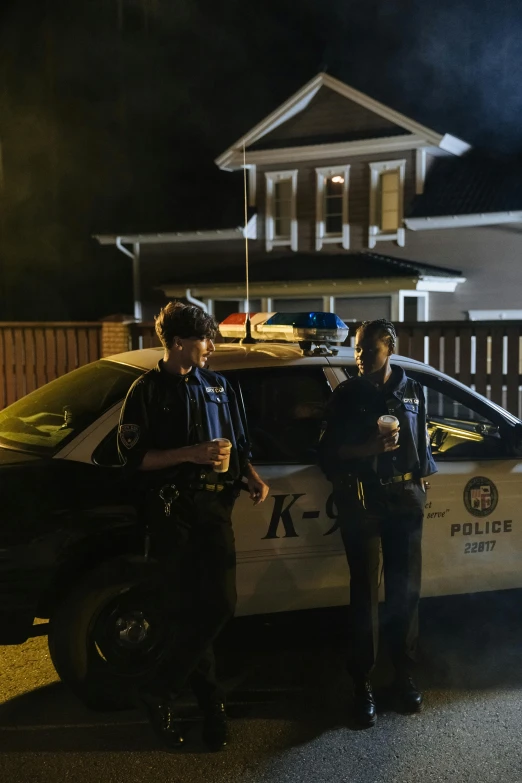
(352, 207)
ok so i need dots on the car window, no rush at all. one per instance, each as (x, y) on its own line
(106, 453)
(284, 408)
(460, 426)
(48, 418)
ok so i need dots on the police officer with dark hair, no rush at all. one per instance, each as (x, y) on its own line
(168, 426)
(380, 497)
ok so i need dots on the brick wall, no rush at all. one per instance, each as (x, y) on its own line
(115, 337)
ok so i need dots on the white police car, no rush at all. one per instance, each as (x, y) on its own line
(69, 543)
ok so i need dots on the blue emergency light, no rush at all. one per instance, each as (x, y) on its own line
(289, 327)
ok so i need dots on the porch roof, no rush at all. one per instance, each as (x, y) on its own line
(311, 266)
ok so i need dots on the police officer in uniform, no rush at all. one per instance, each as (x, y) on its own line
(168, 424)
(380, 497)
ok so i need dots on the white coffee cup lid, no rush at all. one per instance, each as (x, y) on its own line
(388, 419)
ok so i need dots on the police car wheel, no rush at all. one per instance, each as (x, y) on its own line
(106, 636)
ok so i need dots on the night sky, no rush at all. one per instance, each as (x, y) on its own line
(112, 111)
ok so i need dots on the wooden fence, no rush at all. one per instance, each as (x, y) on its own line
(143, 335)
(484, 355)
(32, 354)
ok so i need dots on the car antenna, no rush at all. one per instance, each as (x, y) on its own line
(248, 339)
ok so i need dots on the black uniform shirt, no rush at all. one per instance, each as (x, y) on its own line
(167, 411)
(351, 419)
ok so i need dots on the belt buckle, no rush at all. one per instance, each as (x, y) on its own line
(210, 487)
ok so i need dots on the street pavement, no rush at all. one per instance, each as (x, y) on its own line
(290, 708)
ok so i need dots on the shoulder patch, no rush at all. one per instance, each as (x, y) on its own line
(129, 435)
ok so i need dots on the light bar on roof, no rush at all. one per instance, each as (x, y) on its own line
(291, 327)
(235, 325)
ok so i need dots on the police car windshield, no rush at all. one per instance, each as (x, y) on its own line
(45, 420)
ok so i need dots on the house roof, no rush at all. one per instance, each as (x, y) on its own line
(232, 157)
(469, 186)
(308, 266)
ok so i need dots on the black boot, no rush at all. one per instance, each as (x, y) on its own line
(215, 727)
(365, 712)
(410, 696)
(161, 717)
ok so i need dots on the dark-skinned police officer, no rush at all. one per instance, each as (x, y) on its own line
(380, 498)
(168, 424)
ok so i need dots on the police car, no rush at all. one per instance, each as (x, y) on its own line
(70, 547)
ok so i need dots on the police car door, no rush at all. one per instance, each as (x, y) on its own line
(289, 552)
(473, 527)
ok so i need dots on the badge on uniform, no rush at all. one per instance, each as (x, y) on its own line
(129, 435)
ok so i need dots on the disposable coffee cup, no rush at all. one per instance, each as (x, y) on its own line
(388, 423)
(225, 464)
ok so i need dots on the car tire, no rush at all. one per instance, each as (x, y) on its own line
(106, 635)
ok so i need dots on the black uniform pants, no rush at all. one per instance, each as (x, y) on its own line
(390, 516)
(196, 580)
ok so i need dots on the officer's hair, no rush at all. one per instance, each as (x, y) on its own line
(180, 320)
(382, 329)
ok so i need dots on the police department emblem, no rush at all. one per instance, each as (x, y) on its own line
(480, 496)
(129, 435)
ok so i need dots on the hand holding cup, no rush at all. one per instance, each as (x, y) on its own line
(389, 431)
(224, 446)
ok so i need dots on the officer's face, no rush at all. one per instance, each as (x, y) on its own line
(371, 353)
(195, 351)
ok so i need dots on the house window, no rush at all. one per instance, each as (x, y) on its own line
(281, 219)
(332, 225)
(386, 202)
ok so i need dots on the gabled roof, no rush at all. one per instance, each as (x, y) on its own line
(469, 186)
(301, 100)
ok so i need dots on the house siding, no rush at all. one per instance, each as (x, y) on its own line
(358, 197)
(489, 258)
(329, 115)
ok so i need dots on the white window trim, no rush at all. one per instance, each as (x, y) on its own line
(423, 304)
(321, 237)
(271, 178)
(420, 170)
(374, 232)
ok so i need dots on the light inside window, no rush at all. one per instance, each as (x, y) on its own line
(333, 205)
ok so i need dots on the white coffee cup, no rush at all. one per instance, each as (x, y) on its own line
(225, 464)
(388, 423)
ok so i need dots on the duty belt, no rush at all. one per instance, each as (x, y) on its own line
(397, 479)
(208, 487)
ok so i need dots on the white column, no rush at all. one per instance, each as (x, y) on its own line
(329, 304)
(136, 281)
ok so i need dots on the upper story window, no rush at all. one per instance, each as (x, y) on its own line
(281, 217)
(332, 225)
(387, 202)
